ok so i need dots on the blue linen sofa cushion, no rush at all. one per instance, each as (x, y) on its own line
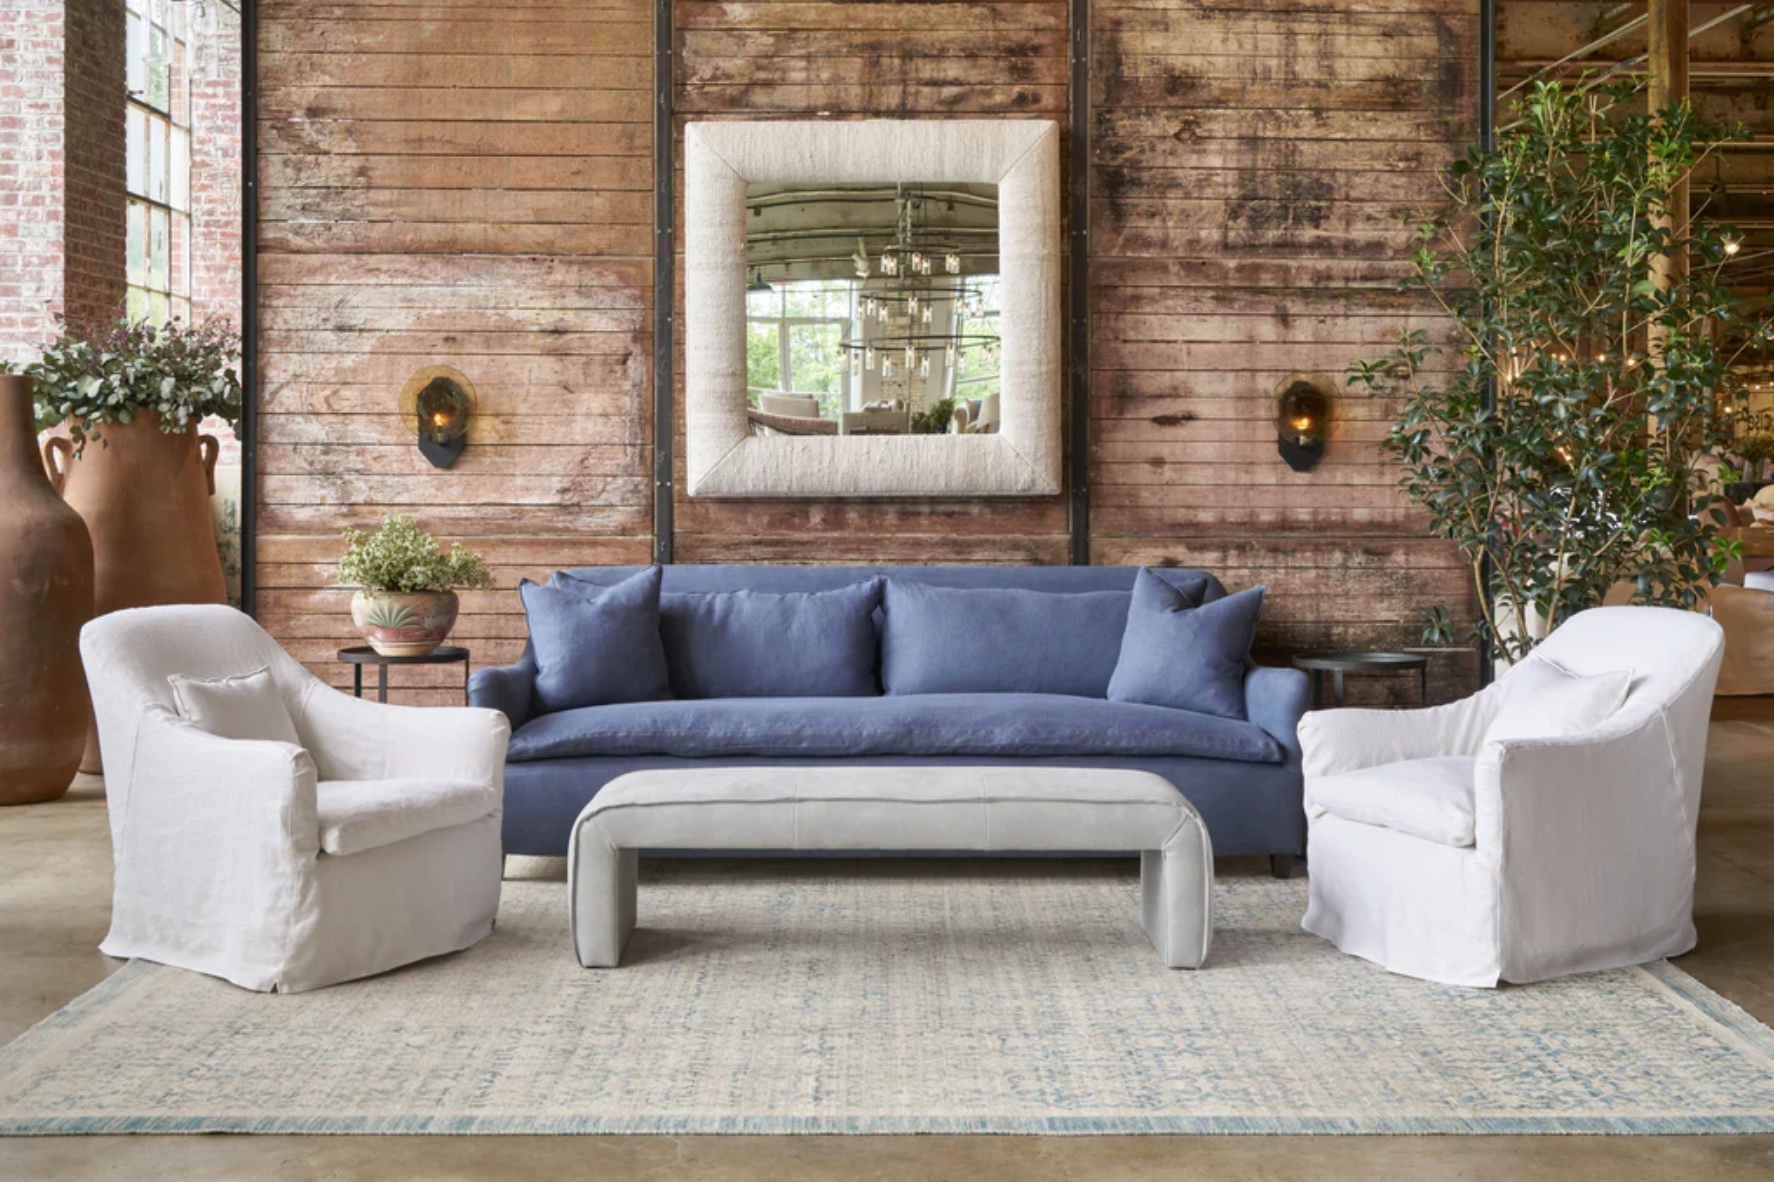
(757, 644)
(764, 644)
(946, 640)
(1187, 657)
(596, 645)
(1008, 725)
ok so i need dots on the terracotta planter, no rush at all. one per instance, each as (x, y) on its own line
(45, 596)
(144, 495)
(404, 623)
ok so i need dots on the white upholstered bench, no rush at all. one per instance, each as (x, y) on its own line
(1011, 809)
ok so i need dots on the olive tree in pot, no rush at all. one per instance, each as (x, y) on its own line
(406, 600)
(1563, 451)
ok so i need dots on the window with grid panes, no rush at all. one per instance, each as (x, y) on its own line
(159, 171)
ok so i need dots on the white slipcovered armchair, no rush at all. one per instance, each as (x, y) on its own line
(1442, 856)
(373, 844)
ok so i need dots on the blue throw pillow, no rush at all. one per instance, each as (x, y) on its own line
(1182, 656)
(985, 640)
(758, 644)
(596, 645)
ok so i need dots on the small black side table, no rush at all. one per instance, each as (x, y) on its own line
(1337, 664)
(363, 654)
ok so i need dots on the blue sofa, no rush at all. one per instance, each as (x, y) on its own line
(1242, 776)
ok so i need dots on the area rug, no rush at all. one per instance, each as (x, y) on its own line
(856, 997)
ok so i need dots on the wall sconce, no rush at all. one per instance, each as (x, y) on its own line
(436, 404)
(1302, 418)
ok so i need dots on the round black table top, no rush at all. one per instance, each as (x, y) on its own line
(363, 654)
(1351, 662)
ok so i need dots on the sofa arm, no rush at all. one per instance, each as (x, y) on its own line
(1596, 832)
(218, 836)
(505, 688)
(356, 739)
(1276, 699)
(1347, 740)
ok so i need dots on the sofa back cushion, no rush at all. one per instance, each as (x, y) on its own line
(945, 640)
(759, 644)
(596, 645)
(1186, 656)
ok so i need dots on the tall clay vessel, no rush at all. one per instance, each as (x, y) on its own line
(45, 596)
(144, 495)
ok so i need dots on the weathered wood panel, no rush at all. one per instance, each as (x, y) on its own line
(466, 185)
(1254, 172)
(894, 61)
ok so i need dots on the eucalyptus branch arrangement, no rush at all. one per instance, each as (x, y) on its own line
(111, 372)
(1561, 450)
(402, 557)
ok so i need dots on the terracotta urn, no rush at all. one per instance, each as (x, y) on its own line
(45, 596)
(144, 495)
(404, 623)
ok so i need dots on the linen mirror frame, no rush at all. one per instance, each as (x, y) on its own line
(723, 458)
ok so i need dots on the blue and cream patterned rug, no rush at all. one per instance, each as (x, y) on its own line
(856, 997)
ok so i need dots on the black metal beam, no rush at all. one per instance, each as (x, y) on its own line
(664, 275)
(1487, 135)
(249, 304)
(1078, 301)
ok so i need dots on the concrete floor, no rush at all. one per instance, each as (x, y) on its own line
(54, 903)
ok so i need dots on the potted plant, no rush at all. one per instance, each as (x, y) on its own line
(1755, 449)
(128, 397)
(406, 601)
(1560, 451)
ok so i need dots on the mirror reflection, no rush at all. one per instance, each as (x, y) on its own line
(872, 309)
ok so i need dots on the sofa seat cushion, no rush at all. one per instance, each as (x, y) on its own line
(911, 724)
(1426, 798)
(358, 815)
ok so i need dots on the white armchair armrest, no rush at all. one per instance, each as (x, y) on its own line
(1594, 834)
(354, 739)
(223, 827)
(1336, 741)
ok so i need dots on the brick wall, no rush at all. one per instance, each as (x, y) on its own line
(94, 208)
(215, 166)
(215, 182)
(62, 232)
(31, 179)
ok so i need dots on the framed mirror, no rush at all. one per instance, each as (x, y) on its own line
(872, 309)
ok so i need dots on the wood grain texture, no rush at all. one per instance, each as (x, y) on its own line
(470, 186)
(1253, 177)
(445, 181)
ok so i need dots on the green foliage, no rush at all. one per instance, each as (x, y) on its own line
(1580, 473)
(1754, 447)
(111, 372)
(402, 557)
(934, 419)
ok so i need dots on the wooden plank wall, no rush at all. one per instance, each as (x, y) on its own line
(1255, 165)
(464, 184)
(855, 60)
(450, 182)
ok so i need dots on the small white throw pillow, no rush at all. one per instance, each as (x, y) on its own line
(248, 706)
(1543, 701)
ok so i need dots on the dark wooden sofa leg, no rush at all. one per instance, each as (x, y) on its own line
(1285, 865)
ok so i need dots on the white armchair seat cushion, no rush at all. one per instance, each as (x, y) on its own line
(1426, 798)
(358, 815)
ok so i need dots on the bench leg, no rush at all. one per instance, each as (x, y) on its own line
(1176, 896)
(603, 893)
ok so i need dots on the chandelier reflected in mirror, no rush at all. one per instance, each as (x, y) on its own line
(872, 308)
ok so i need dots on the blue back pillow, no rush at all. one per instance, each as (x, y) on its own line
(948, 640)
(596, 645)
(1182, 656)
(764, 644)
(758, 644)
